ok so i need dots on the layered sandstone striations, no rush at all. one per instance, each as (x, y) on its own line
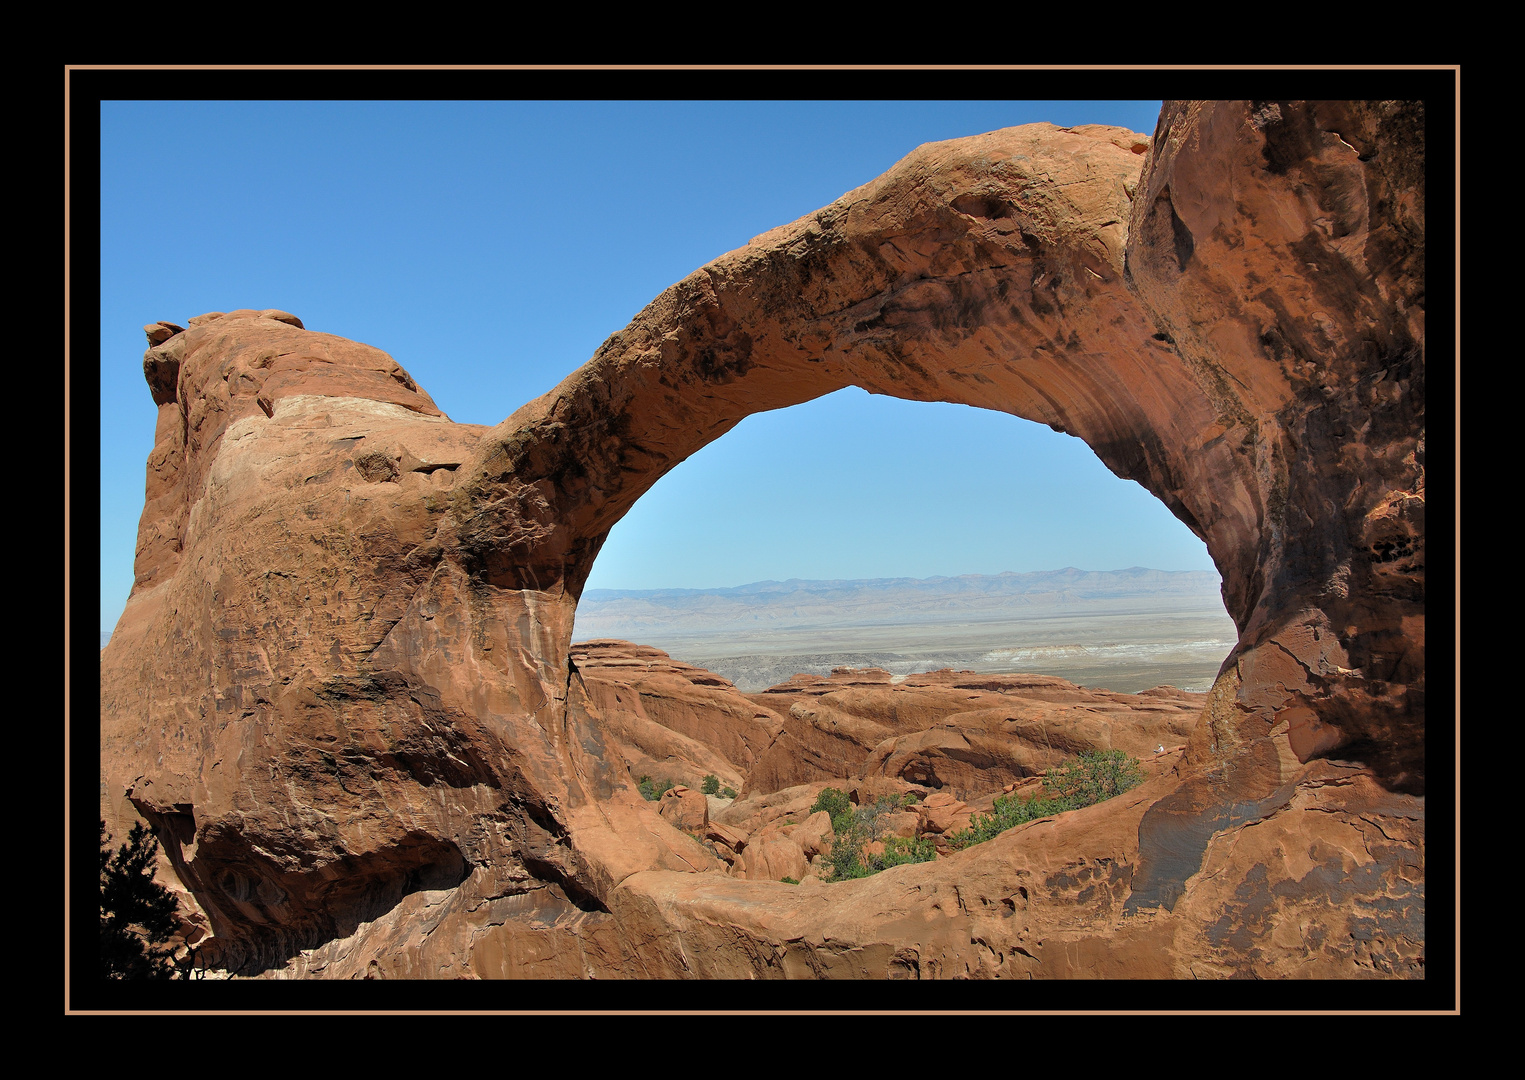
(342, 690)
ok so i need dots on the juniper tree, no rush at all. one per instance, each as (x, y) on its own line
(137, 913)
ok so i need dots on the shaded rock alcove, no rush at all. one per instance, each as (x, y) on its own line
(342, 691)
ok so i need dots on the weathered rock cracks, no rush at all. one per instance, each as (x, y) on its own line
(344, 694)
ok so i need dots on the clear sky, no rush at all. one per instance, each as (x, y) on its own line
(490, 247)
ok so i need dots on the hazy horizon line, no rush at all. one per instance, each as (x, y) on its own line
(897, 577)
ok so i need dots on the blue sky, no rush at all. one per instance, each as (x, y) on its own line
(490, 247)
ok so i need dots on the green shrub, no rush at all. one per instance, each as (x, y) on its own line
(711, 785)
(1009, 811)
(846, 859)
(651, 790)
(1094, 776)
(728, 793)
(871, 816)
(833, 801)
(899, 850)
(855, 827)
(1091, 777)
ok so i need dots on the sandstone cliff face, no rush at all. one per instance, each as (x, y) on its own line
(1280, 247)
(342, 690)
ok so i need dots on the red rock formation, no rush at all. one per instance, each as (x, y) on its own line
(1280, 247)
(685, 809)
(672, 720)
(249, 709)
(341, 689)
(964, 731)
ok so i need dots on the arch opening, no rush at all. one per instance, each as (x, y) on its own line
(860, 530)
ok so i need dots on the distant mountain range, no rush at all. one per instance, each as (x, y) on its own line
(1124, 629)
(799, 604)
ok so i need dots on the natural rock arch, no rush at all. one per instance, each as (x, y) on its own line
(1232, 317)
(991, 272)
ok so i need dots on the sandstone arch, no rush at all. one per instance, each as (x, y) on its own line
(1232, 317)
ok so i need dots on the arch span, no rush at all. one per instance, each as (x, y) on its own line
(986, 271)
(1216, 329)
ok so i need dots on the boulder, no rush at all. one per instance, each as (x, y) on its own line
(941, 813)
(684, 808)
(813, 835)
(774, 857)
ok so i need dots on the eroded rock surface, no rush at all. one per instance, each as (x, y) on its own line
(341, 690)
(963, 731)
(671, 720)
(1279, 246)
